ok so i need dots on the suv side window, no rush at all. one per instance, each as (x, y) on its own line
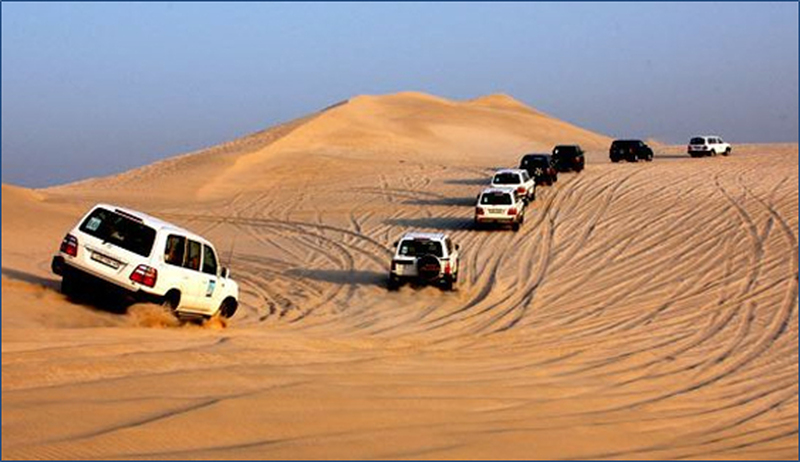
(209, 260)
(525, 176)
(173, 252)
(192, 256)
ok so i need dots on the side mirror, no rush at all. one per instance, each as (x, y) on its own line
(395, 243)
(458, 247)
(225, 273)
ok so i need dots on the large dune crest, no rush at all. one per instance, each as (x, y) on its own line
(409, 126)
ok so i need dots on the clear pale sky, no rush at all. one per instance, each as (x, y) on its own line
(91, 89)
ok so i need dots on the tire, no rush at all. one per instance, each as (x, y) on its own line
(171, 300)
(228, 308)
(392, 284)
(515, 226)
(70, 285)
(428, 267)
(727, 152)
(614, 159)
(649, 157)
(447, 284)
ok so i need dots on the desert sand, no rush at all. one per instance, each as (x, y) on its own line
(644, 311)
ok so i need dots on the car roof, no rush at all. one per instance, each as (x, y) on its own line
(498, 190)
(153, 222)
(536, 154)
(631, 140)
(707, 136)
(510, 170)
(421, 235)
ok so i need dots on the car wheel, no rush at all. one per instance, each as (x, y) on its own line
(393, 283)
(69, 283)
(615, 159)
(727, 152)
(447, 284)
(515, 226)
(171, 300)
(228, 308)
(649, 157)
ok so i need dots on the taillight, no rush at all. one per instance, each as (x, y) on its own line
(394, 265)
(521, 189)
(512, 211)
(70, 245)
(145, 275)
(447, 268)
(479, 211)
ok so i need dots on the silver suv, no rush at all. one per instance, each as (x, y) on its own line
(425, 258)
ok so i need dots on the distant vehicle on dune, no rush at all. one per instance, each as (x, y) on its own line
(568, 157)
(700, 146)
(630, 150)
(430, 258)
(540, 168)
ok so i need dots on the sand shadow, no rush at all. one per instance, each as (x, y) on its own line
(483, 181)
(445, 201)
(437, 223)
(94, 294)
(342, 277)
(49, 283)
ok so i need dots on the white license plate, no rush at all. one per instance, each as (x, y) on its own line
(108, 261)
(495, 211)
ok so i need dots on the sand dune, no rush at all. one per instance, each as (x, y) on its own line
(643, 311)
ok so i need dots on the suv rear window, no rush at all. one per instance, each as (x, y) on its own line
(496, 198)
(538, 161)
(420, 247)
(506, 178)
(124, 232)
(566, 151)
(697, 141)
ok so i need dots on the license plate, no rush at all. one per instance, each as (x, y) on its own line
(108, 261)
(495, 210)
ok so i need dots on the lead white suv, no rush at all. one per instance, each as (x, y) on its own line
(425, 257)
(502, 206)
(148, 258)
(700, 146)
(518, 179)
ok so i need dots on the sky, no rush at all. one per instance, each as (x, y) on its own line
(92, 89)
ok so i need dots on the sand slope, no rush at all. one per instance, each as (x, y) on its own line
(643, 311)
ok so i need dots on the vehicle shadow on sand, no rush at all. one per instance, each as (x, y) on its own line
(436, 223)
(357, 277)
(484, 181)
(96, 296)
(446, 201)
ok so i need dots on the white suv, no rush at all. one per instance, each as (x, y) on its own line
(700, 146)
(500, 206)
(517, 179)
(425, 257)
(150, 259)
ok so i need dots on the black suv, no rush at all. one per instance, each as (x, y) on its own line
(630, 150)
(568, 157)
(540, 168)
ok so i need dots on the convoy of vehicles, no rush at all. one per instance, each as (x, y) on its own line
(151, 260)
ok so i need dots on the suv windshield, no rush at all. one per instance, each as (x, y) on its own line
(419, 247)
(506, 178)
(537, 161)
(496, 198)
(697, 141)
(565, 151)
(120, 230)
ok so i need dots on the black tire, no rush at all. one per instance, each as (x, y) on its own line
(171, 300)
(448, 284)
(228, 308)
(428, 267)
(515, 226)
(393, 284)
(727, 152)
(614, 159)
(70, 285)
